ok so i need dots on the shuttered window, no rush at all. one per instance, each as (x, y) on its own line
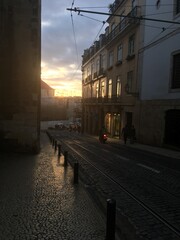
(177, 6)
(176, 71)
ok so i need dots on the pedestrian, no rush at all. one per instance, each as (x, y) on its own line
(125, 133)
(133, 134)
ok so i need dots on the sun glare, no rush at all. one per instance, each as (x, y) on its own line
(58, 78)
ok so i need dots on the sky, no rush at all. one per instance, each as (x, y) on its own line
(64, 37)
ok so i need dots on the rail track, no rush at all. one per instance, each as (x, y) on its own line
(150, 199)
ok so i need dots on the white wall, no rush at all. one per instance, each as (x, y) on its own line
(157, 55)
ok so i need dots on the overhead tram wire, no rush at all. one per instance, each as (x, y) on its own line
(72, 3)
(74, 41)
(103, 22)
(97, 20)
(73, 27)
(129, 6)
(99, 30)
(121, 15)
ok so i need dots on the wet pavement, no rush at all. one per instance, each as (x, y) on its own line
(38, 199)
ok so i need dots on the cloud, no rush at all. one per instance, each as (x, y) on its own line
(64, 37)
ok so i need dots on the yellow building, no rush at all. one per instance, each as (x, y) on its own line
(110, 82)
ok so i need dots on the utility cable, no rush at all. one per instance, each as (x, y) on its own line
(72, 3)
(99, 31)
(90, 18)
(73, 27)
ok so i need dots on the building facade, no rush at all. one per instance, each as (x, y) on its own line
(131, 76)
(160, 76)
(110, 87)
(20, 85)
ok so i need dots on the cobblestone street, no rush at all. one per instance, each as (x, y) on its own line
(38, 200)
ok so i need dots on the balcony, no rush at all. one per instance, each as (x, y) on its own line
(129, 20)
(103, 100)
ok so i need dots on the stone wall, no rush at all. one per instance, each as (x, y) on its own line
(20, 58)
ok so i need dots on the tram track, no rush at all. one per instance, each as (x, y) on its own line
(72, 147)
(147, 221)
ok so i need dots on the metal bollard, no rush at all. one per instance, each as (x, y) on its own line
(76, 172)
(59, 150)
(55, 145)
(111, 219)
(53, 142)
(65, 158)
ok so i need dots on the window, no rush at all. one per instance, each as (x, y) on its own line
(119, 53)
(129, 82)
(177, 5)
(102, 89)
(118, 86)
(97, 67)
(92, 69)
(110, 88)
(131, 45)
(111, 59)
(122, 21)
(97, 90)
(133, 3)
(176, 72)
(88, 74)
(113, 26)
(103, 62)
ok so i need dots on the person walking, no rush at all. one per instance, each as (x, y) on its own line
(125, 133)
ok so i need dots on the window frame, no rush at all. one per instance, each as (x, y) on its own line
(97, 90)
(173, 88)
(111, 59)
(131, 45)
(119, 53)
(110, 88)
(177, 7)
(118, 86)
(129, 83)
(102, 89)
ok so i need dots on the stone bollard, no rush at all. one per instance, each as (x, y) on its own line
(111, 219)
(76, 172)
(65, 158)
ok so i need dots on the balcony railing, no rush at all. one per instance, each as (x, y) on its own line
(100, 100)
(129, 20)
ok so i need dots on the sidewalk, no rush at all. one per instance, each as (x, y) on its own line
(158, 150)
(38, 200)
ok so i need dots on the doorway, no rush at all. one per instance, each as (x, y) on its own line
(172, 127)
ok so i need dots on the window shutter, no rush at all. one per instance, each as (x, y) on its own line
(176, 71)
